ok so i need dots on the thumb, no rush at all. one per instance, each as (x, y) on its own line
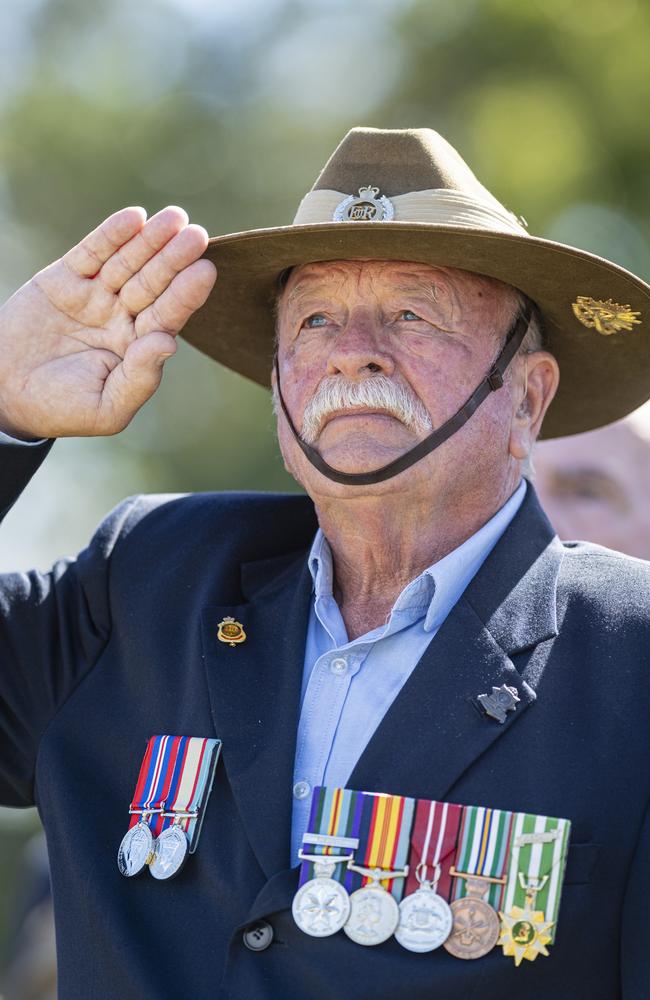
(137, 376)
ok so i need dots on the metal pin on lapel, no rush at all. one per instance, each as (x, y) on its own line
(231, 632)
(503, 699)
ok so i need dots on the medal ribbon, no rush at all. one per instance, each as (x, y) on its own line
(335, 812)
(433, 842)
(384, 839)
(175, 777)
(539, 848)
(381, 823)
(483, 849)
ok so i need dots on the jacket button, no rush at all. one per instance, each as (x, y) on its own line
(258, 936)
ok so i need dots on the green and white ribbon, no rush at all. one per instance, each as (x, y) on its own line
(483, 849)
(538, 853)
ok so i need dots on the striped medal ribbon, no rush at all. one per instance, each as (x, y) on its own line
(425, 918)
(532, 894)
(322, 904)
(167, 809)
(479, 873)
(379, 867)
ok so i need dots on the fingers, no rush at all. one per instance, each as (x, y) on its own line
(142, 247)
(157, 273)
(87, 257)
(135, 380)
(186, 293)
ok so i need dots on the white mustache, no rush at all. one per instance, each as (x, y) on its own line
(378, 392)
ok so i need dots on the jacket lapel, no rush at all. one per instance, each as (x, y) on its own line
(254, 695)
(509, 607)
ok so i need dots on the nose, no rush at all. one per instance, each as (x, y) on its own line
(359, 351)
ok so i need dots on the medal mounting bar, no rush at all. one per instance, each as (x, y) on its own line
(474, 875)
(324, 840)
(181, 814)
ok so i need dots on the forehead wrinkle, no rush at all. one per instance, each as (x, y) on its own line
(371, 270)
(303, 287)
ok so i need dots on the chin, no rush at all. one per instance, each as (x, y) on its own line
(363, 450)
(357, 459)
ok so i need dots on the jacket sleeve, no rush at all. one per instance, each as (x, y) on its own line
(19, 461)
(53, 628)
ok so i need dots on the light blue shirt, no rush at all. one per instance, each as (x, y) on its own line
(8, 439)
(348, 687)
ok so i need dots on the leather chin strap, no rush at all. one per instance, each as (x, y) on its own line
(492, 382)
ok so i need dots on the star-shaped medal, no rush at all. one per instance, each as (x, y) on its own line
(524, 933)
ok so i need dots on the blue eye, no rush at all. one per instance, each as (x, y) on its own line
(316, 320)
(409, 315)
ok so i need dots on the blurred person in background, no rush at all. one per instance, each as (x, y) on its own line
(596, 486)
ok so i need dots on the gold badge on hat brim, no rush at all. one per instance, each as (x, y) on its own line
(606, 317)
(231, 632)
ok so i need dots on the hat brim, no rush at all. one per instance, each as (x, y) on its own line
(602, 377)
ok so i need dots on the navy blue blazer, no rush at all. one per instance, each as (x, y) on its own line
(121, 643)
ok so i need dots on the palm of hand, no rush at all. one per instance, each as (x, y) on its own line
(83, 342)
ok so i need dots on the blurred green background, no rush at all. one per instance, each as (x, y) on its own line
(230, 109)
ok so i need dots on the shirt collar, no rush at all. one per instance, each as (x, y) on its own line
(435, 591)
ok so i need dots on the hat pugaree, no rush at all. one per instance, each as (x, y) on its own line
(406, 194)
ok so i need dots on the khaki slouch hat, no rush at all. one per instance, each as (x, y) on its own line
(408, 195)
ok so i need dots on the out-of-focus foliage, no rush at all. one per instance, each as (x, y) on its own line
(545, 99)
(230, 109)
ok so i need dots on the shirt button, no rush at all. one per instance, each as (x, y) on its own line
(258, 936)
(339, 666)
(301, 789)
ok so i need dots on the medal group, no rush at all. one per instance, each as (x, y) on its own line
(432, 874)
(173, 786)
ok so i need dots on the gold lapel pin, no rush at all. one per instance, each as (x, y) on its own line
(231, 632)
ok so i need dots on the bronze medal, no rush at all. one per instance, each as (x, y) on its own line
(475, 929)
(476, 926)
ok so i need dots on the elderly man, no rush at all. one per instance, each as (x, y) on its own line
(345, 639)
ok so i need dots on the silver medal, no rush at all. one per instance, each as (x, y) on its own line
(425, 920)
(136, 850)
(321, 906)
(170, 853)
(374, 914)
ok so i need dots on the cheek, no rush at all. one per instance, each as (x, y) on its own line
(443, 377)
(298, 384)
(435, 346)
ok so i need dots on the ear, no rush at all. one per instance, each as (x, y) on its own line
(534, 386)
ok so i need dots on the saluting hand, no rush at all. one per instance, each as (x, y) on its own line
(83, 343)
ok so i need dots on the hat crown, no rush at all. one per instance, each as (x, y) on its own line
(399, 161)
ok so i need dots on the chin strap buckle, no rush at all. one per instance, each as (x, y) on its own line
(495, 379)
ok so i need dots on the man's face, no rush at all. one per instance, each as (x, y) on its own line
(432, 333)
(595, 486)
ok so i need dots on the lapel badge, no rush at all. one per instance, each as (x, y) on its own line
(367, 206)
(231, 632)
(503, 699)
(605, 317)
